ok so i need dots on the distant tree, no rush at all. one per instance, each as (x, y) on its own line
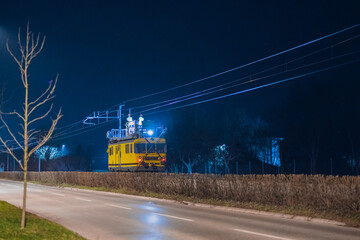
(48, 153)
(243, 135)
(32, 141)
(220, 158)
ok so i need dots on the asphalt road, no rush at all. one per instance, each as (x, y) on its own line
(101, 215)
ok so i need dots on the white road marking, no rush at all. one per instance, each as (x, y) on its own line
(35, 190)
(83, 199)
(12, 186)
(117, 206)
(261, 234)
(58, 194)
(169, 216)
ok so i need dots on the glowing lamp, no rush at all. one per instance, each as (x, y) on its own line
(150, 132)
(163, 159)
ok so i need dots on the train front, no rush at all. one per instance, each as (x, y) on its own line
(139, 147)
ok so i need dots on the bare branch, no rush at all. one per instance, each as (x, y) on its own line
(10, 132)
(22, 135)
(13, 113)
(40, 49)
(40, 104)
(43, 94)
(33, 133)
(13, 56)
(34, 44)
(27, 41)
(11, 152)
(41, 117)
(20, 46)
(48, 135)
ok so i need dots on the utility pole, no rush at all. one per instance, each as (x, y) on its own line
(7, 164)
(39, 162)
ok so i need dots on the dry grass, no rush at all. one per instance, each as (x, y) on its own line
(331, 197)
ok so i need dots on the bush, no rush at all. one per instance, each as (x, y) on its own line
(323, 193)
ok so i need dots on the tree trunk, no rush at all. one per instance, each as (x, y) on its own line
(24, 199)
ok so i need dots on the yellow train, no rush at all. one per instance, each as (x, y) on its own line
(139, 147)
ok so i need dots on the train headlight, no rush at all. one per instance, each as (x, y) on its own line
(140, 160)
(150, 132)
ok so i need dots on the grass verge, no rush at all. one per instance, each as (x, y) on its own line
(349, 220)
(36, 227)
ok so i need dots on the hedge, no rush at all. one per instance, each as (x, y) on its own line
(323, 193)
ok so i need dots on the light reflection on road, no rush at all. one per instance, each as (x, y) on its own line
(152, 224)
(149, 206)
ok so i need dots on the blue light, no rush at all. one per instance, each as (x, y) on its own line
(150, 132)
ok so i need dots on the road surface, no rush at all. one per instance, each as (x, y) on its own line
(102, 215)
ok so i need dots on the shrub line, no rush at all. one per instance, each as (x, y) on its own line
(314, 196)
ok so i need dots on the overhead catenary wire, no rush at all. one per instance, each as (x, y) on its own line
(80, 131)
(269, 69)
(70, 126)
(251, 81)
(242, 66)
(226, 95)
(251, 75)
(254, 88)
(58, 136)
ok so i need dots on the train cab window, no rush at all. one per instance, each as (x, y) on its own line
(161, 147)
(140, 148)
(151, 147)
(130, 148)
(117, 150)
(111, 151)
(127, 148)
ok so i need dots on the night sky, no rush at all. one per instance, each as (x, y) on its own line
(109, 51)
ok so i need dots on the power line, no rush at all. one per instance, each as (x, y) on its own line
(242, 66)
(58, 136)
(189, 96)
(211, 99)
(258, 87)
(207, 91)
(221, 73)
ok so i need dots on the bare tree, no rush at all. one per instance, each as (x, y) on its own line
(32, 140)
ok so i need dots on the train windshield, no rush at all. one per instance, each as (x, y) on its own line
(161, 147)
(140, 148)
(151, 147)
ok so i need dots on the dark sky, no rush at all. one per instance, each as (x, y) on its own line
(110, 51)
